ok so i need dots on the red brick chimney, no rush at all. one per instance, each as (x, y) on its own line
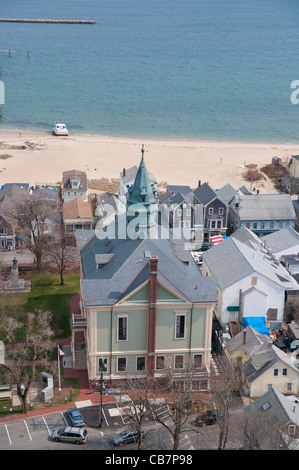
(152, 308)
(244, 336)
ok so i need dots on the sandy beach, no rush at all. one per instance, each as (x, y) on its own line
(37, 158)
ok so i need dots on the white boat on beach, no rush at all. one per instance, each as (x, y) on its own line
(60, 129)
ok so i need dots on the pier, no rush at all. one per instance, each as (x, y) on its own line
(18, 20)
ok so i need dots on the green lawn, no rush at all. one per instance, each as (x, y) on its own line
(46, 294)
(7, 409)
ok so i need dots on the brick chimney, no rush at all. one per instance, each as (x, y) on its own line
(124, 172)
(244, 336)
(152, 308)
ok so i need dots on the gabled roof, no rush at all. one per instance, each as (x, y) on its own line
(21, 185)
(233, 259)
(282, 240)
(176, 199)
(275, 404)
(264, 360)
(110, 199)
(130, 175)
(227, 193)
(172, 188)
(67, 175)
(205, 194)
(265, 207)
(129, 268)
(12, 192)
(76, 208)
(254, 342)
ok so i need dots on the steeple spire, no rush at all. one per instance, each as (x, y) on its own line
(142, 190)
(143, 195)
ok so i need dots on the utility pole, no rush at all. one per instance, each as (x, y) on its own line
(102, 369)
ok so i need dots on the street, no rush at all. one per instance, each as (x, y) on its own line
(35, 433)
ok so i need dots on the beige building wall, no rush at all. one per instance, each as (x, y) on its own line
(286, 384)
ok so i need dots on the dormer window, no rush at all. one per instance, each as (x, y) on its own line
(75, 182)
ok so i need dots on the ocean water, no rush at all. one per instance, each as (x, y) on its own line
(193, 69)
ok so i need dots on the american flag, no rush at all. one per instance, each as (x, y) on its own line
(216, 239)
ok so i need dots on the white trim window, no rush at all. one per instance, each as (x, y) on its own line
(180, 325)
(121, 364)
(122, 328)
(292, 429)
(140, 363)
(179, 361)
(198, 361)
(160, 362)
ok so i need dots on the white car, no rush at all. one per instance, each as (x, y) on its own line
(69, 434)
(60, 129)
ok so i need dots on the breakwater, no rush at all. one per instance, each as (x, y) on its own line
(18, 20)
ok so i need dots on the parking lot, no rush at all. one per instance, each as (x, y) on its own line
(34, 433)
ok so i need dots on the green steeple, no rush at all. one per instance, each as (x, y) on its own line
(142, 190)
(141, 205)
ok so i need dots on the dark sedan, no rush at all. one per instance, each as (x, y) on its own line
(207, 418)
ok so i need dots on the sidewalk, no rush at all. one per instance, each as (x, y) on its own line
(86, 395)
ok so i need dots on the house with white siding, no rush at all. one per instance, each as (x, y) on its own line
(252, 284)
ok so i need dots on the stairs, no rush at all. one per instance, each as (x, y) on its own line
(216, 364)
(80, 362)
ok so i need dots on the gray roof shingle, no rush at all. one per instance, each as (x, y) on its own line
(234, 258)
(128, 269)
(281, 239)
(265, 207)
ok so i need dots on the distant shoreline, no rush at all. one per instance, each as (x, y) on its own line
(41, 158)
(228, 141)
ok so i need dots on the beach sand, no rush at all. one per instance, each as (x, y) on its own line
(38, 158)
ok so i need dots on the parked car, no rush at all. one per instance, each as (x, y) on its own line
(125, 437)
(70, 434)
(204, 247)
(207, 418)
(75, 417)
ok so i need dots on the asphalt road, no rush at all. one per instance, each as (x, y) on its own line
(35, 433)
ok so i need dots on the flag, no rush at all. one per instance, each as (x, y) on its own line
(216, 239)
(61, 353)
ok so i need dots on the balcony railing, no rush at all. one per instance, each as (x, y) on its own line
(78, 321)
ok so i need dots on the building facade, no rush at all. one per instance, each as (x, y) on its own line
(74, 185)
(146, 307)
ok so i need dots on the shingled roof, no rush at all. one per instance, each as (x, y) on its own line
(76, 208)
(129, 268)
(239, 256)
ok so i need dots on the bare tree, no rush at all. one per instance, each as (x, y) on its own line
(134, 403)
(223, 388)
(21, 360)
(32, 215)
(178, 387)
(59, 255)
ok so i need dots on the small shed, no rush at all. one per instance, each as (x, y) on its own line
(47, 392)
(293, 330)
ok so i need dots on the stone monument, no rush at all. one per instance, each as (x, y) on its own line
(15, 284)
